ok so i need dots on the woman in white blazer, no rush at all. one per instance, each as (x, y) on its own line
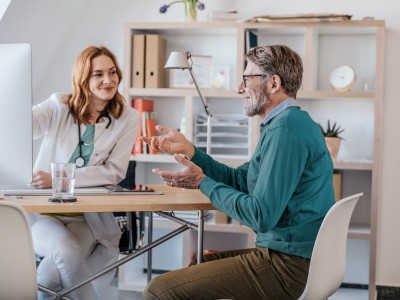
(94, 128)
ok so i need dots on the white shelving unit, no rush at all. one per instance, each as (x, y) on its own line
(229, 135)
(323, 46)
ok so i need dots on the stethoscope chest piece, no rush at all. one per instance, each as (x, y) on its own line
(79, 161)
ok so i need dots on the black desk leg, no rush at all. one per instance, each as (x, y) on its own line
(200, 237)
(149, 241)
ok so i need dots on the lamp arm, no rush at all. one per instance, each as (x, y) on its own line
(201, 96)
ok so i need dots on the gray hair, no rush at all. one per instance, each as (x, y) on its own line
(282, 61)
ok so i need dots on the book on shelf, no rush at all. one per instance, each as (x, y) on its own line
(143, 106)
(145, 117)
(250, 39)
(151, 130)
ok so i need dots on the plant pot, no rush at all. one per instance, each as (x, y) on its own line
(333, 144)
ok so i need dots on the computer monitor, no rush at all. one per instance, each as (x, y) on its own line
(16, 158)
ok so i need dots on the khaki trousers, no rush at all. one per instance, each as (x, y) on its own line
(257, 273)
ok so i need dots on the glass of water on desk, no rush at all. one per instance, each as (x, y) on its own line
(63, 182)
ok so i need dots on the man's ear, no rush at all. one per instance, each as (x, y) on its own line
(276, 83)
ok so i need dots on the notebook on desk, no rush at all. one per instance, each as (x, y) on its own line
(138, 190)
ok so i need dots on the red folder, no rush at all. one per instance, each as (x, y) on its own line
(141, 105)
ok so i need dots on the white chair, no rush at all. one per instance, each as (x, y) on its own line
(328, 259)
(17, 257)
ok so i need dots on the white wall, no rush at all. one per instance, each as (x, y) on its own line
(58, 30)
(3, 7)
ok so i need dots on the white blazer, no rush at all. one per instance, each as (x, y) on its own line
(107, 165)
(52, 120)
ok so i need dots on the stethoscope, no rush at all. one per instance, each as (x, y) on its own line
(80, 161)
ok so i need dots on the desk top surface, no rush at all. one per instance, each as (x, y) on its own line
(171, 199)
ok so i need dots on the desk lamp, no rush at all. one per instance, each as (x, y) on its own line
(183, 60)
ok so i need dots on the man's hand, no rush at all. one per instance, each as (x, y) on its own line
(188, 178)
(171, 142)
(41, 180)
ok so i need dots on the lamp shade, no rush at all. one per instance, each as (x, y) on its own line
(178, 60)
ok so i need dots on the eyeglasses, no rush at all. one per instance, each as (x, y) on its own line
(246, 80)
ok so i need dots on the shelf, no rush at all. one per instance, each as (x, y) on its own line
(230, 134)
(232, 160)
(342, 165)
(156, 158)
(165, 158)
(224, 145)
(354, 26)
(335, 95)
(182, 28)
(223, 134)
(174, 92)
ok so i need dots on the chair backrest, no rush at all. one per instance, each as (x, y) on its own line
(328, 259)
(17, 257)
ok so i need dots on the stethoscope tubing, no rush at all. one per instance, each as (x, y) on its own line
(80, 161)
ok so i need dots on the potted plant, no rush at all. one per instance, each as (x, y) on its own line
(332, 138)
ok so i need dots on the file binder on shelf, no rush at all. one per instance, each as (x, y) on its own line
(138, 60)
(154, 61)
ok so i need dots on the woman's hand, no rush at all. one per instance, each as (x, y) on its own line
(171, 142)
(189, 177)
(41, 180)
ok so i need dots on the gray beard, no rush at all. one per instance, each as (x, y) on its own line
(255, 106)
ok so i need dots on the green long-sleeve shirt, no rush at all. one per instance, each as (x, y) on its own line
(284, 192)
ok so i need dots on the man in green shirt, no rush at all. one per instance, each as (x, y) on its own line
(282, 193)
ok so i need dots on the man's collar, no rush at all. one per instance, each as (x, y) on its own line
(277, 109)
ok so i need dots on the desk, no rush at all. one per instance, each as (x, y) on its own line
(173, 199)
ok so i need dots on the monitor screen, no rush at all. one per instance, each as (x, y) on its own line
(15, 114)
